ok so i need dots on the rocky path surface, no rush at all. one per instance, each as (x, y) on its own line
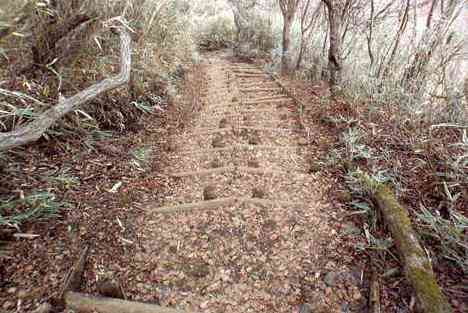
(247, 227)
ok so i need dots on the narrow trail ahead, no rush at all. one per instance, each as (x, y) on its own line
(247, 229)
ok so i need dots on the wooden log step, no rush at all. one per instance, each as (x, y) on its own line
(79, 302)
(241, 147)
(205, 172)
(232, 169)
(240, 113)
(224, 202)
(267, 101)
(246, 90)
(276, 97)
(266, 84)
(248, 71)
(201, 205)
(261, 75)
(238, 128)
(244, 66)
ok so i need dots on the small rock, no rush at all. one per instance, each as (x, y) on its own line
(170, 147)
(258, 193)
(218, 142)
(347, 165)
(110, 288)
(209, 193)
(223, 123)
(235, 99)
(255, 139)
(12, 290)
(330, 279)
(302, 142)
(356, 294)
(253, 163)
(8, 305)
(22, 294)
(306, 308)
(216, 163)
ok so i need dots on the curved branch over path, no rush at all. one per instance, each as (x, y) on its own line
(34, 130)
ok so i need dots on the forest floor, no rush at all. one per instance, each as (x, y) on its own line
(220, 204)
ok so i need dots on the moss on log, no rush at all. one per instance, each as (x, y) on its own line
(416, 265)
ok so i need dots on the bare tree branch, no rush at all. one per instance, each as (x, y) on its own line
(39, 126)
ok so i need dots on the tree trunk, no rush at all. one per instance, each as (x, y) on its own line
(34, 130)
(288, 10)
(301, 53)
(285, 57)
(334, 51)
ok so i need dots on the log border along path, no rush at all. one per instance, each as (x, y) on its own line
(247, 227)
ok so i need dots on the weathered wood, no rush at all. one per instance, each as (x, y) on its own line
(260, 89)
(74, 277)
(240, 147)
(238, 128)
(240, 113)
(248, 72)
(202, 205)
(222, 203)
(205, 172)
(267, 101)
(374, 292)
(79, 302)
(34, 130)
(259, 75)
(227, 169)
(276, 97)
(417, 266)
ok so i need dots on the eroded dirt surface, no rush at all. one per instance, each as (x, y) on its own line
(247, 226)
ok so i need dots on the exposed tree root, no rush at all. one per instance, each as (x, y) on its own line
(78, 302)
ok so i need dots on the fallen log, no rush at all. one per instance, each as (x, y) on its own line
(79, 302)
(416, 265)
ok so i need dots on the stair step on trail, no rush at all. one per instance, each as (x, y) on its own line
(222, 203)
(234, 169)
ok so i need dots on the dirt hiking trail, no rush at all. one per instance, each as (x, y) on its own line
(247, 227)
